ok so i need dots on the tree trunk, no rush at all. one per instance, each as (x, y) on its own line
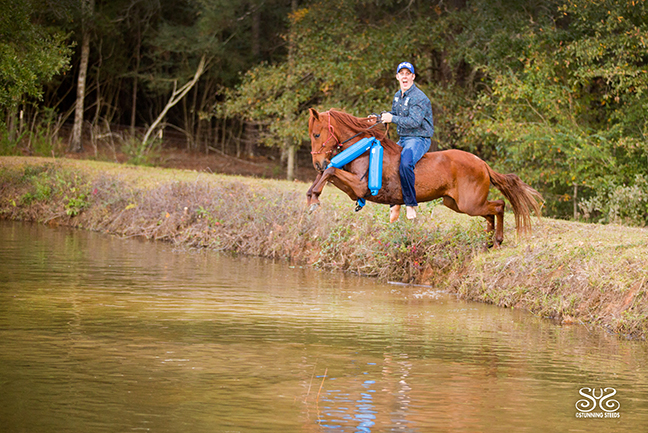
(192, 116)
(76, 144)
(95, 120)
(290, 172)
(239, 138)
(11, 123)
(251, 137)
(135, 81)
(203, 125)
(223, 131)
(575, 202)
(289, 143)
(256, 32)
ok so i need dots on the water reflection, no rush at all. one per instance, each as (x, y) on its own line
(104, 334)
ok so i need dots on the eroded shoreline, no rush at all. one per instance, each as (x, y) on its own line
(576, 273)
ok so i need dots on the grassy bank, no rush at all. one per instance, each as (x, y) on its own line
(576, 273)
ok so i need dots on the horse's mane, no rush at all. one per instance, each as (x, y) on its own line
(360, 124)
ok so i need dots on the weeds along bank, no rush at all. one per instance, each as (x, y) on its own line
(578, 273)
(226, 213)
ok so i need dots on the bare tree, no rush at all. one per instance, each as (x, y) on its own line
(176, 96)
(289, 143)
(87, 9)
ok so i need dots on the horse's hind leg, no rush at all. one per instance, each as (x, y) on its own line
(449, 202)
(490, 227)
(490, 223)
(497, 208)
(492, 211)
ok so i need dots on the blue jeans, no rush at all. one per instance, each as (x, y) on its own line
(413, 150)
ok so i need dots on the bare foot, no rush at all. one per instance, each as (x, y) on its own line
(394, 213)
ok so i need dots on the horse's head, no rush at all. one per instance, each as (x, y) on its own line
(330, 131)
(324, 140)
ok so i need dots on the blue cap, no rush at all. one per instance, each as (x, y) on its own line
(406, 65)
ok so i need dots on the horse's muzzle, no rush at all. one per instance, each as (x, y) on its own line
(321, 166)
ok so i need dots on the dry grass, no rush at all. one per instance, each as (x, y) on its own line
(578, 273)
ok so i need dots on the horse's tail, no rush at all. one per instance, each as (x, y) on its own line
(522, 197)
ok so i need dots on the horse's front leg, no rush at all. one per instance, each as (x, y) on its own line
(344, 180)
(311, 201)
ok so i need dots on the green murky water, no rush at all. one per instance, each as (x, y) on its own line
(100, 334)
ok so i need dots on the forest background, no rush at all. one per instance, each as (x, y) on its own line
(553, 90)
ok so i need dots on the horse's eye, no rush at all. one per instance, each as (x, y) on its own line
(316, 135)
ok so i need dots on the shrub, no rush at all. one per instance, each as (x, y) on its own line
(619, 204)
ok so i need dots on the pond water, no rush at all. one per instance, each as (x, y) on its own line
(102, 334)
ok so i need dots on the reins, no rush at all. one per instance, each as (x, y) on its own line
(339, 144)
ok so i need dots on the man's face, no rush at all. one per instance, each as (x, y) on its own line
(405, 79)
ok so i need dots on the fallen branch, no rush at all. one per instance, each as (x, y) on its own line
(176, 96)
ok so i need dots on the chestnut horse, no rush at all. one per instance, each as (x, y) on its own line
(460, 178)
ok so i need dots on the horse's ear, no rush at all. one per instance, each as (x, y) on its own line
(314, 113)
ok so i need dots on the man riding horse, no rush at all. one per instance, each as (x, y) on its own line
(412, 113)
(460, 178)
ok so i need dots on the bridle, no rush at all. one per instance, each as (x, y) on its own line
(332, 135)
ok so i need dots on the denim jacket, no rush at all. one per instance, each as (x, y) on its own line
(412, 113)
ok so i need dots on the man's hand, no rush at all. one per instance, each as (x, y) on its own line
(384, 117)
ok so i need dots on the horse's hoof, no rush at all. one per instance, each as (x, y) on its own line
(358, 208)
(313, 207)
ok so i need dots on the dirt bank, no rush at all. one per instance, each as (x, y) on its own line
(576, 273)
